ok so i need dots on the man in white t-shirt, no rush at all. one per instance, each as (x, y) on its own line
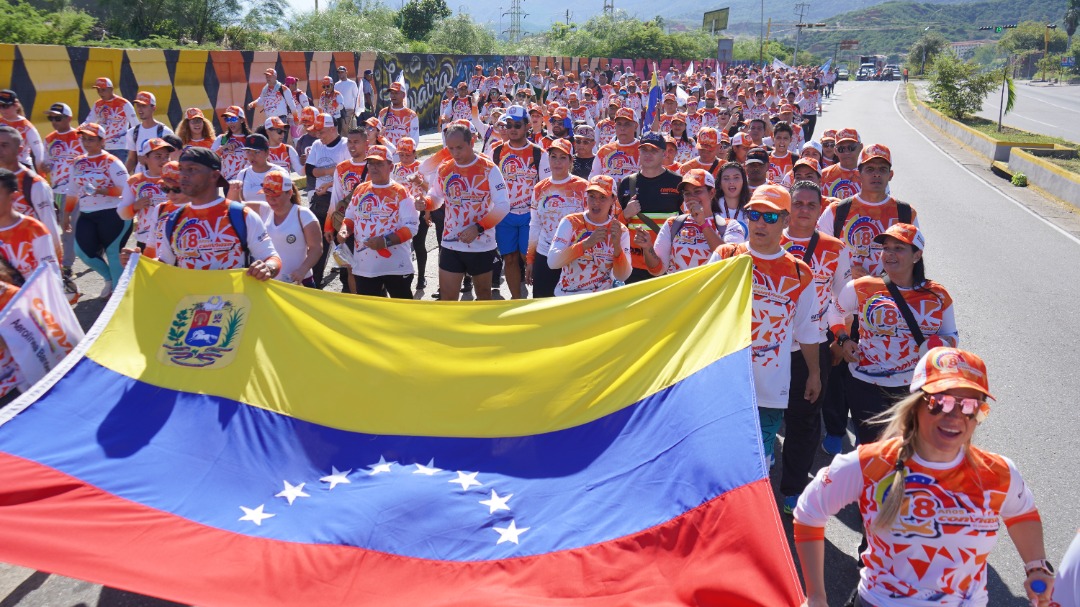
(323, 158)
(148, 128)
(350, 91)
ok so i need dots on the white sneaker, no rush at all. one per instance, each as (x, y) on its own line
(106, 291)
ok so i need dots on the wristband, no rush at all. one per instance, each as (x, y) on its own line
(843, 339)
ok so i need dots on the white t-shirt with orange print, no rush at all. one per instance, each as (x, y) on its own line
(689, 248)
(27, 244)
(380, 210)
(472, 194)
(553, 200)
(204, 239)
(592, 270)
(831, 266)
(139, 186)
(101, 171)
(865, 222)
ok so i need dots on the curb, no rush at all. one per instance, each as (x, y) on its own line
(1048, 178)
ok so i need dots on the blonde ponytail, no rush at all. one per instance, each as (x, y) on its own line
(900, 422)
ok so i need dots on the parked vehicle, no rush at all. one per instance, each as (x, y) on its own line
(842, 74)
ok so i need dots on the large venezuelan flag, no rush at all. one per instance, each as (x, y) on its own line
(219, 441)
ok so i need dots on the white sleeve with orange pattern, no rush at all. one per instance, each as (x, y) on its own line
(45, 249)
(1019, 500)
(662, 245)
(563, 251)
(500, 199)
(834, 487)
(807, 330)
(947, 329)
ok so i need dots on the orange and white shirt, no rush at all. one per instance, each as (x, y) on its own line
(459, 108)
(285, 156)
(233, 157)
(521, 174)
(331, 103)
(31, 139)
(838, 182)
(200, 143)
(887, 350)
(778, 167)
(553, 200)
(693, 124)
(604, 132)
(38, 202)
(403, 173)
(616, 161)
(865, 222)
(277, 100)
(381, 210)
(27, 244)
(347, 175)
(139, 186)
(204, 239)
(831, 266)
(586, 270)
(783, 308)
(936, 552)
(102, 171)
(688, 247)
(61, 150)
(684, 151)
(399, 123)
(157, 236)
(472, 193)
(696, 163)
(116, 116)
(710, 117)
(581, 113)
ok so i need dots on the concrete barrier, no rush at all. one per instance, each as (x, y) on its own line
(1049, 177)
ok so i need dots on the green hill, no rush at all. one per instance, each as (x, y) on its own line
(893, 27)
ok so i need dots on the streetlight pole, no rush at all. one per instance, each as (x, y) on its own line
(761, 37)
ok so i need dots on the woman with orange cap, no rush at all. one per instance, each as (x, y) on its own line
(195, 130)
(931, 502)
(230, 145)
(331, 101)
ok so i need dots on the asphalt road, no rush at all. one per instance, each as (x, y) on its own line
(998, 250)
(1049, 110)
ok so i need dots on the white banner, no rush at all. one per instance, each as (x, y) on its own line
(38, 325)
(780, 65)
(404, 87)
(690, 70)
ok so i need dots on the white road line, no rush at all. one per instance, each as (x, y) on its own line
(1033, 120)
(979, 178)
(1042, 99)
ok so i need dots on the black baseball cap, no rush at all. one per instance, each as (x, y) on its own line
(8, 97)
(653, 139)
(257, 142)
(203, 156)
(757, 155)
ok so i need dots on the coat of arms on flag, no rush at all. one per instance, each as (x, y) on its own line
(204, 331)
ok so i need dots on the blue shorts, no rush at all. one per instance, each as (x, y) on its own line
(512, 234)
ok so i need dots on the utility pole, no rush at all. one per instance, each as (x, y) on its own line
(1046, 46)
(609, 8)
(515, 14)
(761, 38)
(800, 11)
(568, 16)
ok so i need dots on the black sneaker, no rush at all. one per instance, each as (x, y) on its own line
(436, 295)
(421, 283)
(466, 285)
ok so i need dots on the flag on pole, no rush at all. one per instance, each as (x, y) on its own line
(655, 95)
(681, 96)
(779, 65)
(380, 461)
(38, 326)
(404, 85)
(690, 70)
(827, 65)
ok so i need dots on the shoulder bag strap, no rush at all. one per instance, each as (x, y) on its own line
(905, 311)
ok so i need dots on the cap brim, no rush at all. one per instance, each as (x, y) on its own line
(948, 383)
(763, 204)
(754, 161)
(650, 144)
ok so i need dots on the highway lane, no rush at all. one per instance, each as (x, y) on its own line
(1014, 279)
(1050, 110)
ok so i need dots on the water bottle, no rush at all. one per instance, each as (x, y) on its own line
(1038, 586)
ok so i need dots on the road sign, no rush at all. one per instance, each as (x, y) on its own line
(1068, 62)
(849, 45)
(724, 50)
(715, 21)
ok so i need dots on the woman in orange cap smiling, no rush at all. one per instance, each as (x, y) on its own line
(931, 502)
(195, 130)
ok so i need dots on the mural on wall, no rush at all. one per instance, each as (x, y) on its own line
(213, 80)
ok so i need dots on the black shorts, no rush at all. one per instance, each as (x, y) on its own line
(461, 262)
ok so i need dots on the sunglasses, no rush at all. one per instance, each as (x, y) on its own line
(278, 131)
(828, 145)
(972, 408)
(514, 124)
(171, 190)
(326, 88)
(770, 217)
(55, 118)
(231, 119)
(843, 149)
(724, 144)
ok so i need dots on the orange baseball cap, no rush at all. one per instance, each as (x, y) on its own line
(396, 86)
(377, 152)
(681, 117)
(904, 232)
(560, 113)
(193, 112)
(270, 72)
(151, 145)
(943, 369)
(740, 139)
(406, 145)
(276, 182)
(787, 107)
(91, 128)
(170, 171)
(710, 94)
(308, 116)
(327, 80)
(274, 122)
(876, 150)
(848, 135)
(372, 122)
(829, 135)
(614, 102)
(669, 97)
(807, 162)
(563, 145)
(603, 184)
(235, 111)
(770, 197)
(146, 98)
(103, 83)
(625, 114)
(708, 136)
(698, 177)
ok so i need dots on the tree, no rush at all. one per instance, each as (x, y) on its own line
(1030, 36)
(344, 26)
(461, 35)
(925, 50)
(21, 23)
(957, 87)
(1071, 19)
(418, 17)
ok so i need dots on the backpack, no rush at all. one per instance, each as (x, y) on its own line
(236, 218)
(135, 132)
(903, 214)
(496, 154)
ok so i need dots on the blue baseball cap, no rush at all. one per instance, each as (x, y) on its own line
(517, 112)
(653, 139)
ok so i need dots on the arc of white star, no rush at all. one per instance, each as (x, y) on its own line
(291, 492)
(509, 534)
(466, 480)
(428, 470)
(336, 477)
(382, 466)
(255, 515)
(497, 503)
